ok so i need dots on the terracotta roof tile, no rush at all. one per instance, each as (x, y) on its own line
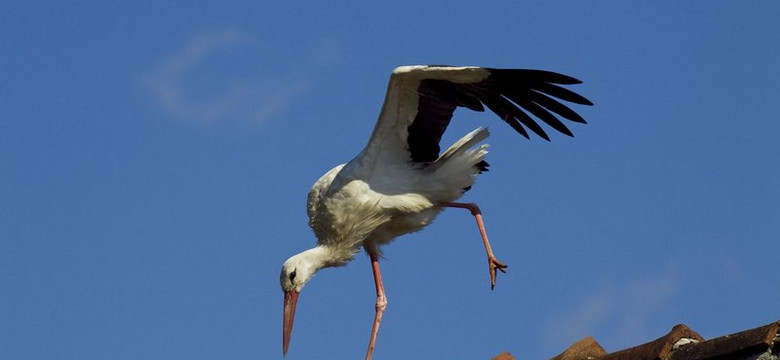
(504, 356)
(743, 345)
(585, 349)
(657, 349)
(682, 343)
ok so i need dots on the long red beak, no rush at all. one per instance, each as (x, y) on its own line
(290, 300)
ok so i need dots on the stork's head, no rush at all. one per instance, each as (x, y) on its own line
(296, 272)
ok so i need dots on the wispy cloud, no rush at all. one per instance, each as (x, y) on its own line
(621, 312)
(327, 51)
(237, 98)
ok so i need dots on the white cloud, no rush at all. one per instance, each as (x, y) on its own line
(238, 97)
(618, 315)
(327, 51)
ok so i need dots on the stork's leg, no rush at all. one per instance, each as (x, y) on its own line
(381, 304)
(493, 263)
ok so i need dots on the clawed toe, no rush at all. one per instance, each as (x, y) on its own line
(494, 265)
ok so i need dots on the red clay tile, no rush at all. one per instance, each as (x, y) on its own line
(760, 343)
(735, 346)
(585, 349)
(504, 356)
(657, 349)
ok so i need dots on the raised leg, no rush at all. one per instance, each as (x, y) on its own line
(493, 263)
(381, 304)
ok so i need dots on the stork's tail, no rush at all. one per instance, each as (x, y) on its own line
(459, 164)
(465, 143)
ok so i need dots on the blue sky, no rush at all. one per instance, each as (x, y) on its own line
(156, 158)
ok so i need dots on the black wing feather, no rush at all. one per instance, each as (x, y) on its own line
(526, 76)
(511, 113)
(506, 92)
(468, 99)
(544, 115)
(562, 93)
(554, 106)
(435, 106)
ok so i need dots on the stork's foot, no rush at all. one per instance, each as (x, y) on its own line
(493, 266)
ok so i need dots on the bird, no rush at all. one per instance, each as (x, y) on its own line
(401, 180)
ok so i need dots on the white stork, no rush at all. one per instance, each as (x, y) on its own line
(400, 182)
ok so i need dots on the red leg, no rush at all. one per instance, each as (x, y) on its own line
(381, 304)
(493, 263)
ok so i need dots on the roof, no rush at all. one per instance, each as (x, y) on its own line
(682, 343)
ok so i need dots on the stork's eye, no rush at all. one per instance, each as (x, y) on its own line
(292, 275)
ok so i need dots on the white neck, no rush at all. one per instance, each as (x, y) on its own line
(325, 256)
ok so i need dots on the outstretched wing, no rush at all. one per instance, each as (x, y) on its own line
(420, 101)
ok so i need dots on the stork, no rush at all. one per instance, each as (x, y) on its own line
(400, 181)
